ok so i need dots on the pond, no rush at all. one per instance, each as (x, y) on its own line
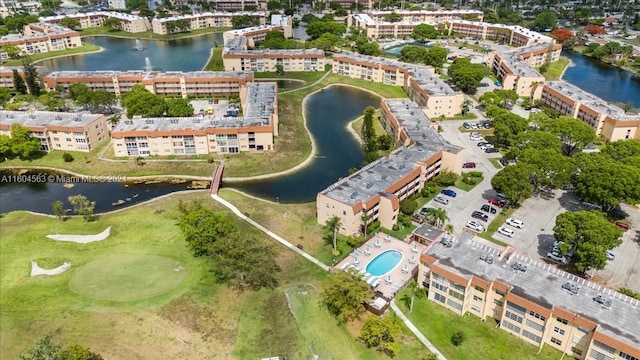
(285, 84)
(395, 50)
(190, 54)
(328, 114)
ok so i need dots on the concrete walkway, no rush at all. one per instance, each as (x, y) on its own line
(416, 332)
(268, 232)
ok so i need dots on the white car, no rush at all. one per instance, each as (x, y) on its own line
(476, 138)
(506, 231)
(487, 146)
(474, 225)
(610, 255)
(557, 257)
(442, 200)
(515, 223)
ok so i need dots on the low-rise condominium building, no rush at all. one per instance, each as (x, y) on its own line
(6, 75)
(420, 82)
(512, 35)
(40, 38)
(238, 5)
(128, 22)
(256, 34)
(530, 299)
(609, 121)
(237, 56)
(204, 20)
(378, 188)
(252, 132)
(59, 130)
(170, 83)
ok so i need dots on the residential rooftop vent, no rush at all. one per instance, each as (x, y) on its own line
(32, 116)
(487, 258)
(516, 266)
(572, 288)
(354, 194)
(149, 121)
(369, 185)
(173, 121)
(58, 117)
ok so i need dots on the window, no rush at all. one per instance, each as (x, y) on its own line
(477, 298)
(556, 341)
(479, 288)
(439, 297)
(510, 326)
(513, 316)
(439, 286)
(531, 336)
(604, 347)
(457, 286)
(500, 293)
(537, 316)
(576, 351)
(558, 330)
(516, 308)
(627, 356)
(456, 294)
(475, 308)
(498, 302)
(563, 321)
(533, 325)
(580, 340)
(598, 355)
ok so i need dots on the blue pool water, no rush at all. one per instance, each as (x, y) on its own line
(395, 51)
(384, 262)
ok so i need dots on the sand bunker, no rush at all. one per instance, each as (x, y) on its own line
(37, 270)
(82, 239)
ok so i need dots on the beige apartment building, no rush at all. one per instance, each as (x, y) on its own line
(41, 38)
(170, 83)
(378, 188)
(238, 5)
(376, 26)
(609, 121)
(6, 75)
(512, 35)
(256, 34)
(129, 23)
(205, 20)
(236, 56)
(253, 132)
(420, 82)
(531, 300)
(58, 130)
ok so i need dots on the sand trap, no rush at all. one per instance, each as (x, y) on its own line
(82, 239)
(37, 270)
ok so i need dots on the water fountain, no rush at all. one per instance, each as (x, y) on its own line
(147, 64)
(139, 46)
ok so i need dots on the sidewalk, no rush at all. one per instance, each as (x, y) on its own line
(416, 332)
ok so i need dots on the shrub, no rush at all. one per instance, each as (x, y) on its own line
(428, 191)
(210, 160)
(457, 338)
(446, 178)
(475, 173)
(354, 241)
(470, 180)
(373, 227)
(67, 157)
(408, 206)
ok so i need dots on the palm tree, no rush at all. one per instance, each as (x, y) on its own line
(437, 217)
(449, 228)
(332, 225)
(365, 221)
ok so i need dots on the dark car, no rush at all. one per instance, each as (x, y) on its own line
(469, 165)
(448, 192)
(466, 125)
(623, 226)
(480, 216)
(489, 209)
(496, 202)
(482, 143)
(527, 108)
(491, 150)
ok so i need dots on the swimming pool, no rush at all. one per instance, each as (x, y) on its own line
(384, 262)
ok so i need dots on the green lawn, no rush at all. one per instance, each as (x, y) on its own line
(496, 163)
(495, 224)
(467, 116)
(468, 187)
(215, 61)
(482, 339)
(84, 48)
(556, 69)
(307, 76)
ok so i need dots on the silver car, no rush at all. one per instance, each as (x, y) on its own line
(441, 200)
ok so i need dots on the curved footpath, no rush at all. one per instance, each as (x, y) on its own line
(318, 263)
(129, 178)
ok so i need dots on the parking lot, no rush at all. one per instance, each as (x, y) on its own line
(210, 108)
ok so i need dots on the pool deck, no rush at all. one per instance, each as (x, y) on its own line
(390, 283)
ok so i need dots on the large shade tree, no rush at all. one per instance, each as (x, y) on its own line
(344, 295)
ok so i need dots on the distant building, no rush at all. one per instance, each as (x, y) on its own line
(515, 68)
(117, 4)
(129, 23)
(253, 132)
(41, 38)
(375, 25)
(378, 188)
(238, 57)
(257, 34)
(204, 20)
(239, 5)
(420, 82)
(170, 83)
(57, 130)
(529, 299)
(609, 121)
(513, 35)
(6, 75)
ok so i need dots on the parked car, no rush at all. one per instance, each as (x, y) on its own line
(506, 231)
(482, 143)
(623, 226)
(489, 209)
(591, 206)
(515, 223)
(610, 255)
(527, 108)
(557, 257)
(466, 125)
(486, 146)
(475, 138)
(448, 192)
(469, 165)
(480, 216)
(491, 150)
(474, 225)
(498, 203)
(504, 162)
(441, 200)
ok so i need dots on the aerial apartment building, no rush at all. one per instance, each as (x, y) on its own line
(534, 301)
(376, 26)
(58, 130)
(609, 121)
(204, 20)
(170, 83)
(239, 5)
(378, 188)
(420, 82)
(515, 68)
(6, 75)
(237, 56)
(252, 132)
(513, 35)
(41, 38)
(256, 34)
(129, 23)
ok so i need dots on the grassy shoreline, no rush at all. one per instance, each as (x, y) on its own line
(102, 31)
(85, 48)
